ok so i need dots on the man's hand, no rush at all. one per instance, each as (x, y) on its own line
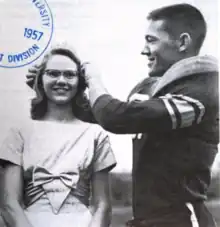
(91, 73)
(94, 82)
(32, 73)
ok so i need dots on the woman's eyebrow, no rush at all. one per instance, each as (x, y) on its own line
(68, 69)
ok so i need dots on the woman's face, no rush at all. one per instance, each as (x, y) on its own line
(60, 79)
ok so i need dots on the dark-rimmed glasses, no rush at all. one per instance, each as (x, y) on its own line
(54, 73)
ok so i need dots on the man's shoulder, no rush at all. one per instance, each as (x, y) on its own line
(192, 69)
(144, 86)
(207, 81)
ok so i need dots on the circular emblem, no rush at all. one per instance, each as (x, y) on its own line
(26, 29)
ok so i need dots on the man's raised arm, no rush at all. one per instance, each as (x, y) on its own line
(157, 114)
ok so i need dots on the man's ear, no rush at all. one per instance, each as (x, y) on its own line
(185, 41)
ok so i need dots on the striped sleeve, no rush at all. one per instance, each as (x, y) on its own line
(184, 111)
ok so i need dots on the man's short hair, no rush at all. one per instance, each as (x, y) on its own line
(184, 18)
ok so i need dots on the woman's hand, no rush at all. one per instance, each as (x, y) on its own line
(101, 200)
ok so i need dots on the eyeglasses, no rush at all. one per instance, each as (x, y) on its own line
(68, 74)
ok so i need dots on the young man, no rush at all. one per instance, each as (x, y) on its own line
(174, 115)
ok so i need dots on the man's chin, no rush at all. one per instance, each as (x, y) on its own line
(153, 73)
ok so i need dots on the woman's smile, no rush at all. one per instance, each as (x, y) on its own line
(60, 90)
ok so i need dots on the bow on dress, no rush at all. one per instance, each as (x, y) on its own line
(45, 182)
(42, 176)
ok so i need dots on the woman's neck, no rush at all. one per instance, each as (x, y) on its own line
(60, 113)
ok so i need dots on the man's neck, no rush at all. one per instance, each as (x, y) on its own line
(157, 75)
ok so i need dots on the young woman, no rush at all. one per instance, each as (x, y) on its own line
(55, 167)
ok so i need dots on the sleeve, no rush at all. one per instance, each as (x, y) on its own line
(12, 147)
(104, 158)
(184, 108)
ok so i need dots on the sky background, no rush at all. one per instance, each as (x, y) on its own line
(109, 33)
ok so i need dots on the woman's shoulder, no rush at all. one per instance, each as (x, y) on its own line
(95, 128)
(23, 125)
(98, 132)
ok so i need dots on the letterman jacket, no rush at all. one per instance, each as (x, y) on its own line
(175, 119)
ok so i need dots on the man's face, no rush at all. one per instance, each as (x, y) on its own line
(161, 49)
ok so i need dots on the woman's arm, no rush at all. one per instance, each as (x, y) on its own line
(11, 196)
(101, 200)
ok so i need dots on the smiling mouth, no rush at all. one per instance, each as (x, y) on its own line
(60, 89)
(151, 60)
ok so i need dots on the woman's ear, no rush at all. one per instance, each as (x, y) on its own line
(185, 42)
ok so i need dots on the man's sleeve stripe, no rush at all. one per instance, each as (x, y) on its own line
(171, 112)
(198, 106)
(184, 111)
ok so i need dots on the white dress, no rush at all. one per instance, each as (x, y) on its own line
(58, 161)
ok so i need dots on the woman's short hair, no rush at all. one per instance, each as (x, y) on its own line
(80, 103)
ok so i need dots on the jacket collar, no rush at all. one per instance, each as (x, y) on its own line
(186, 67)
